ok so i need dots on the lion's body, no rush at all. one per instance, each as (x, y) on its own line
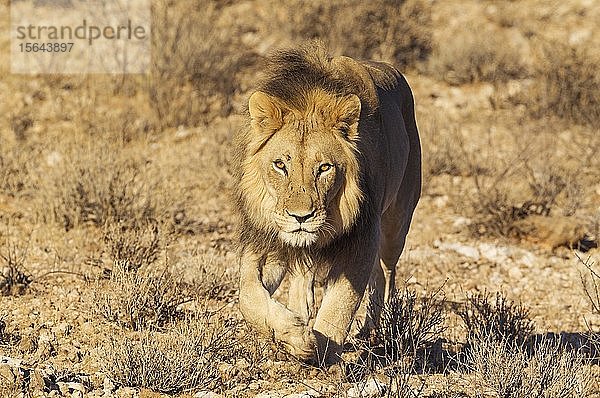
(328, 174)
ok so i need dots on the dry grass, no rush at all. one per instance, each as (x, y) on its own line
(11, 388)
(133, 246)
(504, 370)
(182, 359)
(96, 185)
(499, 320)
(410, 324)
(14, 277)
(194, 64)
(398, 31)
(477, 54)
(16, 162)
(98, 155)
(567, 84)
(590, 281)
(140, 299)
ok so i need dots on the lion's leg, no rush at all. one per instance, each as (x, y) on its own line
(272, 274)
(302, 295)
(381, 283)
(347, 282)
(268, 315)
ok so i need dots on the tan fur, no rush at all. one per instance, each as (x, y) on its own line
(327, 178)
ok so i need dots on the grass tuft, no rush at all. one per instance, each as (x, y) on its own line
(499, 320)
(508, 371)
(568, 84)
(183, 359)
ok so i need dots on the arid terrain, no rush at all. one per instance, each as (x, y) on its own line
(118, 272)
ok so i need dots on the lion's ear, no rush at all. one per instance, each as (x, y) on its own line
(348, 115)
(266, 114)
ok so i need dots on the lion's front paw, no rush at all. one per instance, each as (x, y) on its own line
(300, 341)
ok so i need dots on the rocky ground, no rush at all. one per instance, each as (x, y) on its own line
(55, 337)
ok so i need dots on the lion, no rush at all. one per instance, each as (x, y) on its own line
(327, 174)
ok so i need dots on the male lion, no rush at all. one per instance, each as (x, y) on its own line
(327, 174)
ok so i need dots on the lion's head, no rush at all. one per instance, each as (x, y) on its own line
(299, 173)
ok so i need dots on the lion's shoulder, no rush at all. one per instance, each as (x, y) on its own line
(384, 75)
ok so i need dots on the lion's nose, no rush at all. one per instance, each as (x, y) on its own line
(301, 217)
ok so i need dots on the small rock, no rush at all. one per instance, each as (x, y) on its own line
(269, 394)
(207, 394)
(464, 250)
(304, 394)
(108, 386)
(372, 388)
(6, 373)
(182, 133)
(127, 392)
(254, 386)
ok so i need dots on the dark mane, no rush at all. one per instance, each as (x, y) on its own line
(291, 74)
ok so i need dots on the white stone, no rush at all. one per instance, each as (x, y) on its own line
(304, 394)
(463, 250)
(372, 388)
(269, 394)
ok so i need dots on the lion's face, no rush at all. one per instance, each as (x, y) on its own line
(304, 167)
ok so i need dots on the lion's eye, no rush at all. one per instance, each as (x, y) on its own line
(279, 166)
(325, 167)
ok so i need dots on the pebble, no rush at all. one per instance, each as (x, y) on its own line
(372, 388)
(127, 392)
(207, 394)
(108, 386)
(304, 394)
(269, 394)
(463, 250)
(7, 374)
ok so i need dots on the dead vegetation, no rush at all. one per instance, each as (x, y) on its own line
(495, 320)
(93, 186)
(398, 31)
(139, 299)
(141, 163)
(568, 84)
(182, 359)
(508, 371)
(194, 65)
(14, 277)
(477, 53)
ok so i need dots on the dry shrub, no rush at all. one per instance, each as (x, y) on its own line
(183, 359)
(94, 187)
(590, 281)
(409, 327)
(14, 278)
(477, 54)
(497, 321)
(512, 193)
(550, 372)
(139, 299)
(445, 150)
(409, 323)
(16, 163)
(133, 246)
(398, 31)
(140, 293)
(194, 63)
(568, 84)
(555, 186)
(7, 337)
